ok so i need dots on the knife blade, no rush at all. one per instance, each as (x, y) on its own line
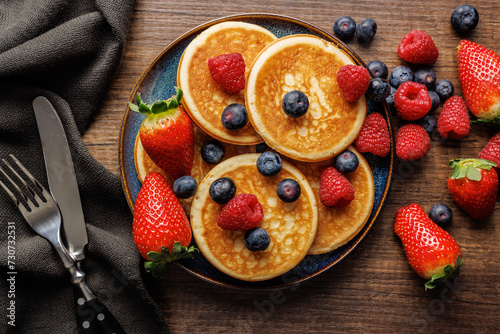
(92, 315)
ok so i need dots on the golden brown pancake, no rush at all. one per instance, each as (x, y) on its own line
(204, 99)
(337, 226)
(292, 226)
(309, 64)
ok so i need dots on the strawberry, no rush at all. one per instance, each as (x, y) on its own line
(491, 151)
(167, 134)
(412, 142)
(374, 136)
(473, 184)
(335, 190)
(453, 122)
(160, 226)
(417, 47)
(353, 81)
(479, 76)
(228, 71)
(431, 251)
(241, 213)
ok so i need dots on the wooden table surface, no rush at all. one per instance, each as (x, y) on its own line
(373, 290)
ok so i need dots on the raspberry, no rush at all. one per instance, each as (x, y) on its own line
(453, 122)
(412, 101)
(334, 189)
(491, 151)
(417, 47)
(374, 136)
(228, 70)
(242, 212)
(353, 81)
(412, 142)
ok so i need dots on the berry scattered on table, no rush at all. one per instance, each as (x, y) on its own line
(222, 190)
(353, 81)
(228, 71)
(429, 123)
(269, 163)
(346, 162)
(417, 47)
(241, 213)
(412, 101)
(453, 122)
(378, 90)
(441, 214)
(212, 151)
(479, 76)
(431, 251)
(464, 19)
(412, 142)
(344, 27)
(234, 117)
(288, 190)
(399, 75)
(256, 239)
(425, 76)
(378, 68)
(444, 89)
(335, 190)
(435, 99)
(473, 184)
(374, 136)
(366, 30)
(491, 151)
(390, 98)
(185, 187)
(295, 103)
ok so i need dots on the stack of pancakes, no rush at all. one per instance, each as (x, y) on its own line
(274, 66)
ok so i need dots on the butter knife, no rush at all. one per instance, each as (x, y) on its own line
(92, 316)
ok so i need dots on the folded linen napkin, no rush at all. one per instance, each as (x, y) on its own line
(67, 51)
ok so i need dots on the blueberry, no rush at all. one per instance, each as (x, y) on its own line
(212, 151)
(344, 27)
(288, 190)
(399, 75)
(295, 103)
(261, 147)
(269, 163)
(464, 18)
(440, 214)
(222, 190)
(378, 69)
(425, 76)
(346, 162)
(256, 239)
(444, 88)
(434, 99)
(185, 187)
(378, 90)
(429, 123)
(366, 30)
(390, 98)
(234, 117)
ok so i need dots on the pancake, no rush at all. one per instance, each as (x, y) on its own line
(309, 64)
(337, 226)
(204, 100)
(144, 165)
(292, 226)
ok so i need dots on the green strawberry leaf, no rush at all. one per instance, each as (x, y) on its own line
(448, 272)
(469, 168)
(473, 173)
(494, 122)
(159, 260)
(159, 106)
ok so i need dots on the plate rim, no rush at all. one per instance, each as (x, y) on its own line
(326, 35)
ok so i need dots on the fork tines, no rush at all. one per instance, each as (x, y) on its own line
(28, 198)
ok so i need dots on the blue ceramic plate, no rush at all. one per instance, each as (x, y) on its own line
(158, 81)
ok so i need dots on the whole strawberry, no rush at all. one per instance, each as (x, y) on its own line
(412, 142)
(479, 76)
(412, 101)
(491, 151)
(160, 226)
(353, 81)
(374, 136)
(335, 190)
(167, 134)
(417, 47)
(241, 213)
(431, 251)
(228, 71)
(453, 122)
(473, 184)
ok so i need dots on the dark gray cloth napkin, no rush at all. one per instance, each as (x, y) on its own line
(67, 51)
